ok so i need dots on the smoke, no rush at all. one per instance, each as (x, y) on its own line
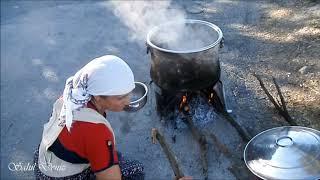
(141, 16)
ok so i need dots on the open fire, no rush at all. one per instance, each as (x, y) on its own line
(168, 102)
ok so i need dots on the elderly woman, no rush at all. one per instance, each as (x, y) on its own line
(78, 141)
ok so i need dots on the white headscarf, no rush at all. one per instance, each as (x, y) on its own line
(107, 75)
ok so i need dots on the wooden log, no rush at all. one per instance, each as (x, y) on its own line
(202, 142)
(241, 172)
(237, 168)
(222, 148)
(155, 134)
(241, 131)
(222, 111)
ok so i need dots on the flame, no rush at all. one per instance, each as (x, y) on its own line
(184, 104)
(184, 99)
(210, 98)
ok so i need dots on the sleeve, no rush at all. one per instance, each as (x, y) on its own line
(100, 147)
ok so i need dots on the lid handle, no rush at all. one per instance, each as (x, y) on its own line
(284, 141)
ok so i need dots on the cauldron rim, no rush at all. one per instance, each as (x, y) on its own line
(213, 26)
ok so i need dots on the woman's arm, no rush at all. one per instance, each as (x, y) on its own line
(112, 173)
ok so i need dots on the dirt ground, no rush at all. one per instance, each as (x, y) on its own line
(43, 43)
(285, 40)
(299, 67)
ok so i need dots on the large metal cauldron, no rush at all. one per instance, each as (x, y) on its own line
(185, 55)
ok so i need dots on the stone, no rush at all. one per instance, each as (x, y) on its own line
(305, 70)
(148, 113)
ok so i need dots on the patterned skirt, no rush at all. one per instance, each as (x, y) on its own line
(130, 170)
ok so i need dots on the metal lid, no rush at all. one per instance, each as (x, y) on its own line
(289, 152)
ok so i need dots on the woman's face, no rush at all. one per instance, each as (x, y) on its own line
(114, 103)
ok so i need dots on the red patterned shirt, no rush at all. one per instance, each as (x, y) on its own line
(89, 142)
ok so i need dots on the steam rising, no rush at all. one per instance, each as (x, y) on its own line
(142, 16)
(193, 36)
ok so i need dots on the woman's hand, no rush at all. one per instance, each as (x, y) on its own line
(185, 178)
(113, 173)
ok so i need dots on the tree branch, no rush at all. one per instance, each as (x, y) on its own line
(282, 109)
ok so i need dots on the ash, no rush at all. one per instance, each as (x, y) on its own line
(201, 111)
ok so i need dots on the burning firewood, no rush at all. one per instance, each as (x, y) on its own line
(237, 168)
(280, 106)
(216, 99)
(242, 132)
(184, 108)
(202, 142)
(155, 134)
(240, 171)
(218, 144)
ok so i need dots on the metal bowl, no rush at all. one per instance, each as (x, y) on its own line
(138, 97)
(289, 152)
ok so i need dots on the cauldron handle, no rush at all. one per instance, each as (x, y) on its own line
(148, 48)
(222, 42)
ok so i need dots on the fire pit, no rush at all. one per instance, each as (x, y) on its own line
(185, 66)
